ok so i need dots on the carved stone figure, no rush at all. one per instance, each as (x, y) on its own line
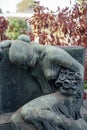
(60, 77)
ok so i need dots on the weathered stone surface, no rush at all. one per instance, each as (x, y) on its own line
(77, 52)
(5, 127)
(55, 74)
(17, 86)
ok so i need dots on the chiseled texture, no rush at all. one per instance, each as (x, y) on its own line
(60, 77)
(56, 111)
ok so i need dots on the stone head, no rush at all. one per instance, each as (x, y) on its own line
(22, 54)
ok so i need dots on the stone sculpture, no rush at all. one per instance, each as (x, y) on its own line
(60, 77)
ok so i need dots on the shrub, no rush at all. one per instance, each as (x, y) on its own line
(16, 27)
(63, 27)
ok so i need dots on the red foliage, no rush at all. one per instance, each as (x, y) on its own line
(63, 27)
(3, 27)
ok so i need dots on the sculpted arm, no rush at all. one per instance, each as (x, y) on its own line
(56, 57)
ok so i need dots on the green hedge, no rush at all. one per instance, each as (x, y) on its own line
(16, 27)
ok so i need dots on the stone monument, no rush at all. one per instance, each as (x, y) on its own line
(47, 85)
